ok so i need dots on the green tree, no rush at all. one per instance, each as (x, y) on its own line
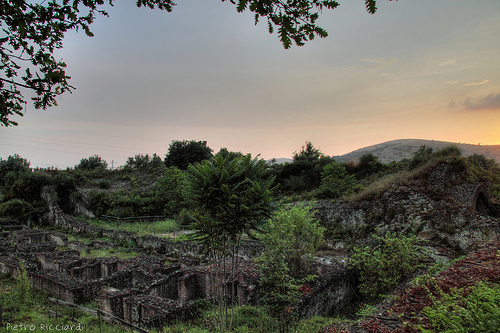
(232, 196)
(169, 191)
(183, 153)
(291, 239)
(13, 163)
(304, 172)
(144, 162)
(33, 31)
(225, 152)
(92, 163)
(335, 181)
(421, 156)
(368, 164)
(308, 153)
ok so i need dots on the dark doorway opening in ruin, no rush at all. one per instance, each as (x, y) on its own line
(484, 206)
(64, 199)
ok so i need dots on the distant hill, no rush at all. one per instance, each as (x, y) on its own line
(397, 150)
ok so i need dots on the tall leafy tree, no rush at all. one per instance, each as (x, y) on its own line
(308, 153)
(233, 196)
(304, 172)
(13, 163)
(183, 153)
(33, 31)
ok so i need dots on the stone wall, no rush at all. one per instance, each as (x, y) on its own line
(63, 287)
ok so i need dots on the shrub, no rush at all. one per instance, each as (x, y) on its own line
(99, 202)
(421, 156)
(382, 266)
(169, 191)
(335, 181)
(23, 286)
(294, 230)
(15, 208)
(291, 238)
(26, 186)
(92, 163)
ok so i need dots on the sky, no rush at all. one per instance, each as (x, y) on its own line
(420, 69)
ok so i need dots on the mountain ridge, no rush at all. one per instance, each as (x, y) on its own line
(396, 150)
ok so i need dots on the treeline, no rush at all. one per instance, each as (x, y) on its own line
(150, 185)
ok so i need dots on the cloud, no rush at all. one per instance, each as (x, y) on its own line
(490, 102)
(448, 62)
(451, 82)
(477, 83)
(379, 63)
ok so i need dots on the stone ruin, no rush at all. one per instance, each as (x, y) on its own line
(146, 290)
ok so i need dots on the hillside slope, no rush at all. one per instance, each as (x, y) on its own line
(397, 150)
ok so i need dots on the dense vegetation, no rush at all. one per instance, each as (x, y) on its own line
(229, 196)
(146, 185)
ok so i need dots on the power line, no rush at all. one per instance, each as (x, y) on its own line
(76, 144)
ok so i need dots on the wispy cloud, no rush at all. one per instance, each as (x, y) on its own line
(451, 82)
(490, 102)
(448, 62)
(379, 63)
(477, 83)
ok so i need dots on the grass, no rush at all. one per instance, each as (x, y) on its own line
(141, 228)
(117, 251)
(107, 253)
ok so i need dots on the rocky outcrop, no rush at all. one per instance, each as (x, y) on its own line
(439, 205)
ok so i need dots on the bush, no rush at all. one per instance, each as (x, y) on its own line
(15, 208)
(421, 156)
(169, 191)
(92, 163)
(23, 287)
(382, 266)
(291, 239)
(335, 182)
(99, 202)
(294, 231)
(26, 186)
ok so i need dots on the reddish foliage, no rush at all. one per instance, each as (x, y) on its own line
(305, 289)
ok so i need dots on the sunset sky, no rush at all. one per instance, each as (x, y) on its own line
(421, 69)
